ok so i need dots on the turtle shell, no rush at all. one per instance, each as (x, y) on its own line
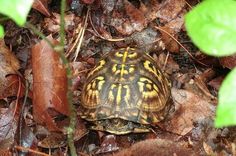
(125, 92)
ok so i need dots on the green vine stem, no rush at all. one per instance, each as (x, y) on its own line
(60, 50)
(71, 128)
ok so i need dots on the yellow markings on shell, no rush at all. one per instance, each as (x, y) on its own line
(153, 89)
(93, 89)
(125, 56)
(156, 88)
(94, 84)
(127, 96)
(114, 68)
(132, 55)
(149, 86)
(131, 69)
(100, 82)
(118, 96)
(141, 86)
(150, 91)
(97, 68)
(143, 79)
(110, 94)
(152, 70)
(122, 72)
(88, 86)
(118, 54)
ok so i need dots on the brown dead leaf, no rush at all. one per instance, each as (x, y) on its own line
(149, 9)
(189, 108)
(208, 149)
(216, 83)
(53, 140)
(129, 19)
(170, 44)
(41, 6)
(53, 24)
(108, 145)
(207, 60)
(50, 84)
(9, 64)
(146, 39)
(170, 9)
(8, 126)
(24, 135)
(228, 62)
(156, 147)
(207, 75)
(170, 66)
(12, 86)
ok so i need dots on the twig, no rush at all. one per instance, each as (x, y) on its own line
(30, 150)
(188, 4)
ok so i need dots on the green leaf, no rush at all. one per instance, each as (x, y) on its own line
(212, 26)
(226, 111)
(17, 10)
(1, 31)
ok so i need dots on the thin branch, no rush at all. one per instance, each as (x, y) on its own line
(30, 150)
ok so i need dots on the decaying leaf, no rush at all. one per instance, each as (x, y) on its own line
(53, 24)
(9, 66)
(41, 6)
(50, 84)
(186, 106)
(228, 62)
(129, 20)
(156, 147)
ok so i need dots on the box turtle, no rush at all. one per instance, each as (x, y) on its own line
(125, 92)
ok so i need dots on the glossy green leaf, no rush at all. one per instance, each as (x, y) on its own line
(1, 31)
(212, 26)
(17, 10)
(226, 111)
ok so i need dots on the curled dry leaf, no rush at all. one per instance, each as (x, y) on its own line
(186, 106)
(41, 6)
(9, 65)
(49, 83)
(156, 147)
(228, 62)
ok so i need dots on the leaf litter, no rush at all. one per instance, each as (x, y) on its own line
(188, 130)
